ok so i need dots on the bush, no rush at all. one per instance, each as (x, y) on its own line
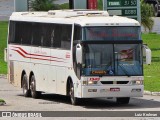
(147, 11)
(43, 5)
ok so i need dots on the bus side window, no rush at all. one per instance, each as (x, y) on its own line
(66, 37)
(46, 34)
(26, 33)
(11, 37)
(57, 36)
(18, 33)
(36, 34)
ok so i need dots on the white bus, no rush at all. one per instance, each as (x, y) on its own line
(81, 54)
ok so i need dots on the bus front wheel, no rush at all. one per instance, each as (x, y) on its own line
(124, 100)
(74, 100)
(35, 94)
(26, 91)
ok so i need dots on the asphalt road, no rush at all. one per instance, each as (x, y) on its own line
(61, 1)
(49, 102)
(6, 9)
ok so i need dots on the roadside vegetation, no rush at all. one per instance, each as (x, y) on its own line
(151, 72)
(147, 12)
(3, 44)
(43, 5)
(1, 100)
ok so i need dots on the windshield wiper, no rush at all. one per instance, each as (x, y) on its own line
(124, 70)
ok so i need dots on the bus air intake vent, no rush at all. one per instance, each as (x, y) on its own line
(114, 82)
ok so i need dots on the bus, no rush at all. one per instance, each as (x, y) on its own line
(77, 53)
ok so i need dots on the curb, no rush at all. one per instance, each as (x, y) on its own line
(3, 76)
(152, 93)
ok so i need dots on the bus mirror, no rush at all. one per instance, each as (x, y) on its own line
(5, 55)
(146, 54)
(79, 54)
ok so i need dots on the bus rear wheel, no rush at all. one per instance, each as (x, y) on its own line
(124, 100)
(74, 100)
(35, 94)
(26, 91)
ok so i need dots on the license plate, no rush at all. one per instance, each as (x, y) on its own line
(114, 89)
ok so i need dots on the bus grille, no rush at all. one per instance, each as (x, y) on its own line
(114, 82)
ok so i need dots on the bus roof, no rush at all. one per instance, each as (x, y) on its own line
(81, 17)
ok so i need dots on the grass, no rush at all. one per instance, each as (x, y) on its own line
(3, 38)
(151, 72)
(64, 6)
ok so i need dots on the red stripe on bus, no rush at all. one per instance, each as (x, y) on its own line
(35, 58)
(37, 54)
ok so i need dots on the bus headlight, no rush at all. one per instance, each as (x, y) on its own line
(137, 82)
(92, 82)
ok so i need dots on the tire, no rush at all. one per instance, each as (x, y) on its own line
(74, 100)
(26, 91)
(35, 94)
(124, 100)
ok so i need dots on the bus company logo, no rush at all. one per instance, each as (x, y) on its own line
(6, 114)
(94, 79)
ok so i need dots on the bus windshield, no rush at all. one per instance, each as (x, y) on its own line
(112, 60)
(112, 33)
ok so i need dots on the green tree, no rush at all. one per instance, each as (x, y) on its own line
(147, 12)
(43, 5)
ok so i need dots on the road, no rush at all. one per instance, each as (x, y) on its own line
(49, 102)
(61, 1)
(6, 9)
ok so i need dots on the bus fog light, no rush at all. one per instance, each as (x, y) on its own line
(92, 90)
(136, 90)
(84, 83)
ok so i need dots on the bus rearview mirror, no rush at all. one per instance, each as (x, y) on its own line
(146, 54)
(79, 54)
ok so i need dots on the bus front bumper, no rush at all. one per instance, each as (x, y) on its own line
(112, 91)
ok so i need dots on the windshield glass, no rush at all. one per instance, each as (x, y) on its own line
(112, 33)
(112, 59)
(127, 59)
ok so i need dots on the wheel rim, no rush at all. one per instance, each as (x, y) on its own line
(32, 88)
(72, 94)
(24, 88)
